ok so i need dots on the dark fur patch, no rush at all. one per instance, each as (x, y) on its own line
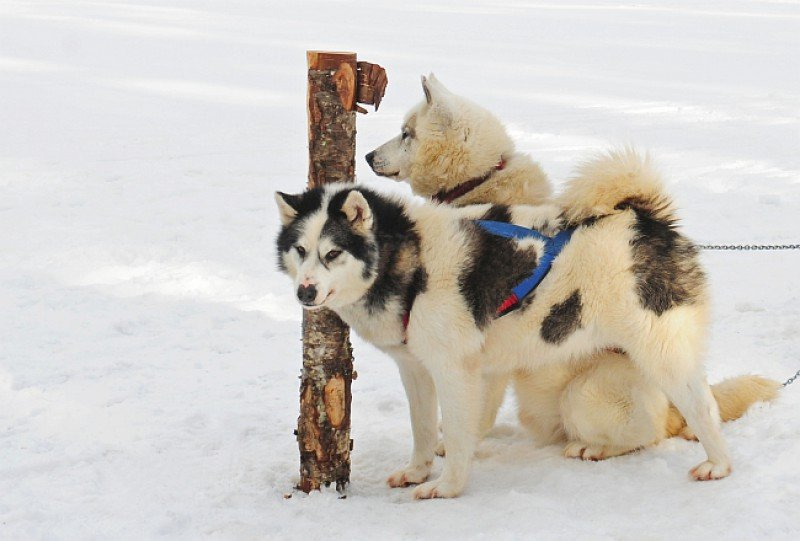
(494, 268)
(417, 285)
(564, 319)
(666, 265)
(395, 259)
(586, 222)
(337, 228)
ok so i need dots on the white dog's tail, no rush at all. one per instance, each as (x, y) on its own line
(734, 396)
(612, 181)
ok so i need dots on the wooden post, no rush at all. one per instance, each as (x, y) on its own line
(323, 428)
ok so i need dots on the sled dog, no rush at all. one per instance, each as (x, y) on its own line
(430, 285)
(454, 151)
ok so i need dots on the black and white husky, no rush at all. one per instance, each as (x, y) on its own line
(426, 284)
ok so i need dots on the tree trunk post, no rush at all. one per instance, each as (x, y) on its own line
(323, 429)
(335, 83)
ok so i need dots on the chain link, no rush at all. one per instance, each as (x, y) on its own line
(749, 246)
(791, 379)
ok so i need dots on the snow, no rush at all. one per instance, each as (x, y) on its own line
(150, 350)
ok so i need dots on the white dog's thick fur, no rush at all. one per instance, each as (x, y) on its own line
(600, 406)
(627, 279)
(447, 140)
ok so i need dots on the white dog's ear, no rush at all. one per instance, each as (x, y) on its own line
(287, 206)
(437, 97)
(433, 89)
(357, 210)
(426, 90)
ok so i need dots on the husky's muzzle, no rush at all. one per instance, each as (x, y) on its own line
(307, 294)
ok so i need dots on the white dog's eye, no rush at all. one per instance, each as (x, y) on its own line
(333, 254)
(406, 135)
(300, 251)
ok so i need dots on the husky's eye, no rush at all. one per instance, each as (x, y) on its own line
(406, 134)
(333, 254)
(300, 251)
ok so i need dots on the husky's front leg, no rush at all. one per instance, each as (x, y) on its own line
(421, 395)
(459, 390)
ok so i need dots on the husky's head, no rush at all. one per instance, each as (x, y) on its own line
(444, 141)
(327, 245)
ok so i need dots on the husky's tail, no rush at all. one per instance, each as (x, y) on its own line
(733, 397)
(612, 181)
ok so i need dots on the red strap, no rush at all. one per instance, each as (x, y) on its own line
(508, 304)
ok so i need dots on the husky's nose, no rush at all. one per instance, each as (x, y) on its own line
(307, 294)
(370, 158)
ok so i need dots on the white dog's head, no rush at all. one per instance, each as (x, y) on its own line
(445, 140)
(327, 245)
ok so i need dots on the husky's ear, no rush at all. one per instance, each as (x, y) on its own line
(357, 210)
(287, 206)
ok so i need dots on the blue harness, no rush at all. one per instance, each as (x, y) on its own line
(552, 247)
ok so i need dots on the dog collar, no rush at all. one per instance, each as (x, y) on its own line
(448, 196)
(552, 247)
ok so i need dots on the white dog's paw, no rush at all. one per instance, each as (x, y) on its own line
(584, 451)
(440, 448)
(687, 434)
(436, 489)
(708, 470)
(588, 451)
(410, 475)
(574, 449)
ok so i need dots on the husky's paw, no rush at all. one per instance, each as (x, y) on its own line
(436, 489)
(410, 475)
(440, 448)
(708, 470)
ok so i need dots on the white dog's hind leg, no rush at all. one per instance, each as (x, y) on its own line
(459, 390)
(421, 394)
(538, 393)
(494, 390)
(611, 409)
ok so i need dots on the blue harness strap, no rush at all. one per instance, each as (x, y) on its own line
(552, 247)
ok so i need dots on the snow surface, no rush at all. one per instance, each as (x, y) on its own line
(150, 350)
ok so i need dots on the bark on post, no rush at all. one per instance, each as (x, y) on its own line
(323, 429)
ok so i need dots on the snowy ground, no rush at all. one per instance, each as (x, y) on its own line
(150, 351)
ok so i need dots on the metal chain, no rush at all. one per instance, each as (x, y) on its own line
(749, 246)
(791, 379)
(756, 247)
